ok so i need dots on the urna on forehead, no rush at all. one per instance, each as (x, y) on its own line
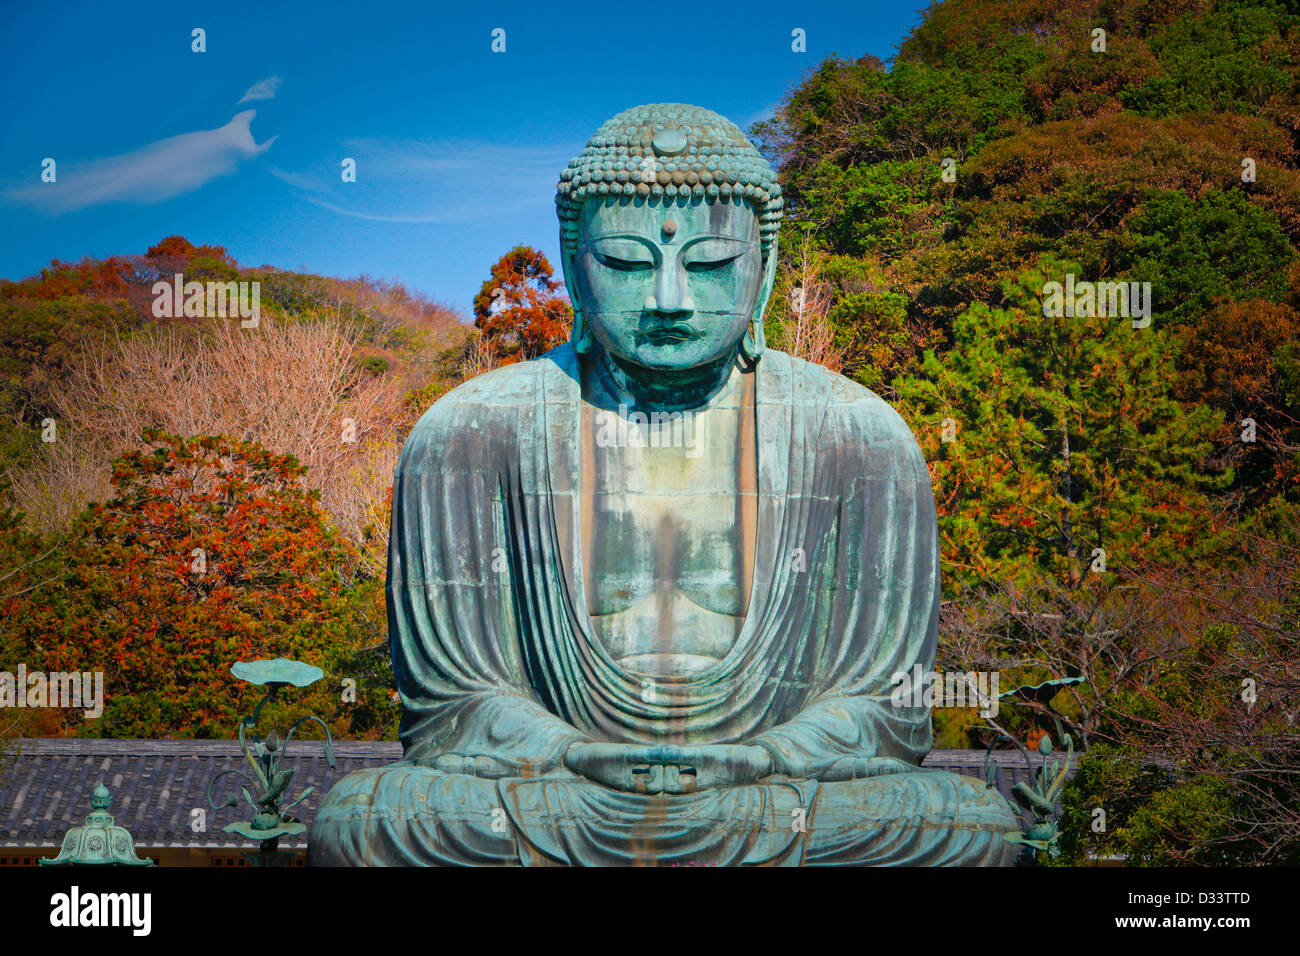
(670, 152)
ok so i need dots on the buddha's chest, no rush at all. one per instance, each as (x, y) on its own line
(668, 539)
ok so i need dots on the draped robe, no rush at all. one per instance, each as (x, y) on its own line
(495, 655)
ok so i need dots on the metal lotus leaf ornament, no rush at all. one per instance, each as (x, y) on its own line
(99, 842)
(281, 671)
(270, 784)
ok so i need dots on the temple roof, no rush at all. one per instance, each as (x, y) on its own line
(46, 785)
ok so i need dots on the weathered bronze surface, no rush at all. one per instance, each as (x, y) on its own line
(647, 593)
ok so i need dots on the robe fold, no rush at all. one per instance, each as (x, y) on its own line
(495, 655)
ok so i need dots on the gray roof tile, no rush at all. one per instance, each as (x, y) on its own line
(45, 784)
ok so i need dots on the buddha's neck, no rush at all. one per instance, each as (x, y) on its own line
(666, 389)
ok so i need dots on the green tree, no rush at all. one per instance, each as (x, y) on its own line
(1208, 249)
(209, 552)
(1066, 438)
(1202, 764)
(42, 337)
(29, 572)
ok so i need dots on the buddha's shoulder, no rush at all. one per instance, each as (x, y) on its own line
(494, 398)
(839, 408)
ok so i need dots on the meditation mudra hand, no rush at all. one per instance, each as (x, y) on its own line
(648, 594)
(667, 769)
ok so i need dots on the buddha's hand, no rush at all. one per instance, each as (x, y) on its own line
(476, 766)
(638, 768)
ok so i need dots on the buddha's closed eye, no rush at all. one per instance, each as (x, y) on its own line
(624, 255)
(702, 255)
(714, 253)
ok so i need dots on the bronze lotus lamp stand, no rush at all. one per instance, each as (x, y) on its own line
(270, 784)
(1040, 797)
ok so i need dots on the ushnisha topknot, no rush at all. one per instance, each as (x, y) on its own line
(669, 152)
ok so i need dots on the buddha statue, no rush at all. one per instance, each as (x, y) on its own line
(648, 594)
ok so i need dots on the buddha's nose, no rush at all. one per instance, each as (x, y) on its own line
(670, 297)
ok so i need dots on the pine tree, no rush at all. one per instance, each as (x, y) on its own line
(1064, 436)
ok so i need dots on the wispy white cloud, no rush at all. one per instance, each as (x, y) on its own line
(155, 172)
(264, 89)
(435, 180)
(758, 116)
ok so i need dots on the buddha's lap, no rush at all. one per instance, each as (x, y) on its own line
(920, 798)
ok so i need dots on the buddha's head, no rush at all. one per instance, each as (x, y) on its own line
(668, 230)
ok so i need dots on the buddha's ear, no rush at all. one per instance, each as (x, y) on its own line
(753, 343)
(769, 282)
(579, 335)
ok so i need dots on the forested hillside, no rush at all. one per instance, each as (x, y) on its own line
(186, 492)
(1118, 493)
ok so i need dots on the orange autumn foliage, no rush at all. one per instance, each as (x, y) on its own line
(518, 308)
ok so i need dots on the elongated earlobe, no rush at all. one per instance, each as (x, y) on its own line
(580, 335)
(752, 345)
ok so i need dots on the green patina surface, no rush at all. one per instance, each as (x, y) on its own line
(99, 842)
(648, 593)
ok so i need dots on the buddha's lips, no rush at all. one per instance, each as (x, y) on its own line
(676, 332)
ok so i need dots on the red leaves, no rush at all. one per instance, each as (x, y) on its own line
(518, 309)
(165, 626)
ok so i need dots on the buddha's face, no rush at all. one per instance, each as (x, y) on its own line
(667, 285)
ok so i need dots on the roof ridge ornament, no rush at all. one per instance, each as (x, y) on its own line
(98, 842)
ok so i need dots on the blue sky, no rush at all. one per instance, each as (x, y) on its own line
(457, 148)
